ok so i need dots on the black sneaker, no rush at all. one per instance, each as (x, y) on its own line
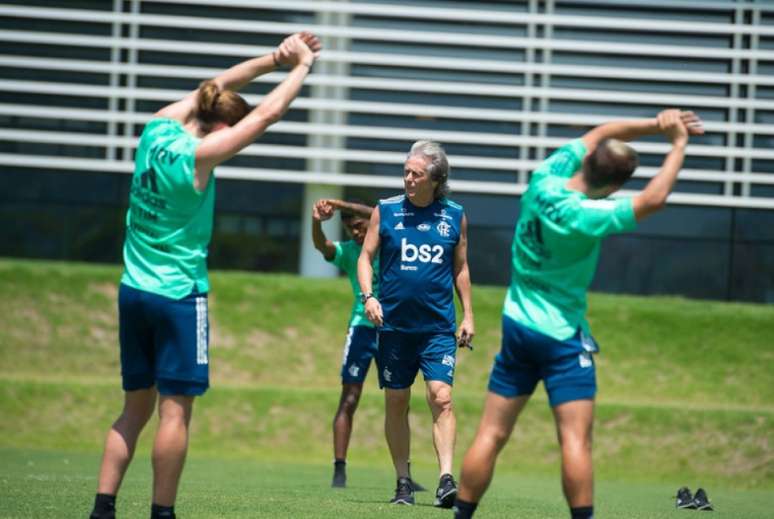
(684, 499)
(447, 491)
(339, 476)
(701, 501)
(404, 493)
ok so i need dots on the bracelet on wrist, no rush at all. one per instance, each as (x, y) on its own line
(275, 59)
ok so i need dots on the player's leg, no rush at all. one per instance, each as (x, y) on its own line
(439, 398)
(136, 343)
(396, 428)
(570, 381)
(182, 367)
(437, 355)
(359, 350)
(512, 381)
(170, 447)
(342, 429)
(496, 425)
(398, 367)
(574, 428)
(122, 438)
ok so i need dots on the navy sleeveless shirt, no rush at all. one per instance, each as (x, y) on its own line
(416, 264)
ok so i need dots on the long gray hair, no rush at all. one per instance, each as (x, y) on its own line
(438, 164)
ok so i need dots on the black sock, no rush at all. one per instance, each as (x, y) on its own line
(582, 512)
(339, 461)
(162, 512)
(104, 505)
(463, 509)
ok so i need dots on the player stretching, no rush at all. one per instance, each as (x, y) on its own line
(565, 213)
(162, 300)
(421, 239)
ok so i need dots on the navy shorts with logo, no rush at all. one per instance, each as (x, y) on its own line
(359, 349)
(528, 356)
(164, 342)
(402, 354)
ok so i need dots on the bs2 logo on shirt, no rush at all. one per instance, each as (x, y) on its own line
(424, 253)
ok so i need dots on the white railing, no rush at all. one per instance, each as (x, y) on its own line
(737, 118)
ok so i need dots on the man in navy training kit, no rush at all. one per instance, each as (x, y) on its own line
(421, 239)
(565, 214)
(360, 345)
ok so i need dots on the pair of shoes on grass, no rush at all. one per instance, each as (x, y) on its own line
(698, 501)
(444, 496)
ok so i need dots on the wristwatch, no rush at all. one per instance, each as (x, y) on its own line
(366, 297)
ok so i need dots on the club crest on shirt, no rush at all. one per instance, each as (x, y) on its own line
(443, 229)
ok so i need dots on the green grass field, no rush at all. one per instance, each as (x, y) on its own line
(686, 398)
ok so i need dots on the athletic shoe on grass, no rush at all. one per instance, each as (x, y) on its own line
(701, 501)
(339, 477)
(684, 499)
(404, 493)
(447, 491)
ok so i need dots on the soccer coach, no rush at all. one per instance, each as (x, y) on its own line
(421, 238)
(565, 213)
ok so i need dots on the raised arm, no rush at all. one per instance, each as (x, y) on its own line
(239, 75)
(628, 130)
(365, 270)
(673, 124)
(221, 145)
(466, 329)
(352, 208)
(321, 212)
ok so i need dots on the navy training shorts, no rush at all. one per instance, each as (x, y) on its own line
(402, 354)
(528, 356)
(164, 342)
(359, 349)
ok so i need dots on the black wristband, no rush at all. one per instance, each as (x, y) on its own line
(275, 60)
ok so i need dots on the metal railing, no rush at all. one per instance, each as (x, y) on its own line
(740, 126)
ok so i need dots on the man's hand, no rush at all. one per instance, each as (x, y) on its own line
(322, 211)
(465, 333)
(373, 310)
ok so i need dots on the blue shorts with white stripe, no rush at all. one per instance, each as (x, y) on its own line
(164, 342)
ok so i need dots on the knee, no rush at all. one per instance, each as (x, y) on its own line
(348, 403)
(440, 400)
(173, 412)
(497, 437)
(573, 440)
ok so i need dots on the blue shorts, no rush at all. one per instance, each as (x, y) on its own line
(359, 349)
(402, 354)
(527, 356)
(164, 342)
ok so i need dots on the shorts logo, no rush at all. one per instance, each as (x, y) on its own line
(448, 360)
(201, 330)
(399, 227)
(585, 360)
(443, 229)
(424, 227)
(387, 375)
(354, 369)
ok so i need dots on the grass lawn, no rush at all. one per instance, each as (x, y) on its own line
(61, 484)
(686, 397)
